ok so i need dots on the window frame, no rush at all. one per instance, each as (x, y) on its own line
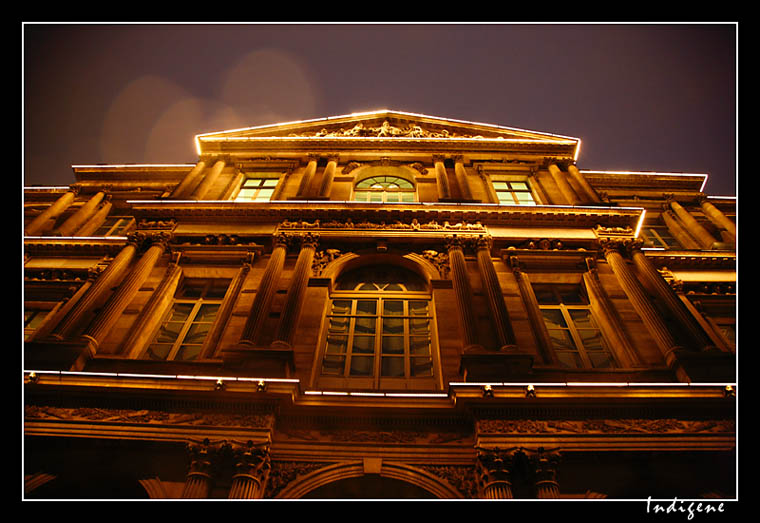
(580, 350)
(263, 179)
(384, 191)
(377, 380)
(511, 191)
(197, 304)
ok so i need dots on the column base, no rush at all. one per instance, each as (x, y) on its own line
(52, 354)
(707, 366)
(265, 362)
(504, 365)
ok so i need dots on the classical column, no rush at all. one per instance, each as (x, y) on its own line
(308, 175)
(681, 235)
(265, 292)
(495, 470)
(85, 212)
(152, 312)
(295, 297)
(651, 275)
(54, 319)
(108, 279)
(198, 481)
(625, 351)
(463, 292)
(225, 309)
(189, 180)
(441, 178)
(461, 175)
(252, 467)
(583, 183)
(639, 299)
(564, 186)
(718, 218)
(495, 295)
(208, 181)
(125, 293)
(327, 177)
(535, 317)
(699, 233)
(40, 223)
(96, 221)
(546, 463)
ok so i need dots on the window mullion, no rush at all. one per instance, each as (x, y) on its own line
(183, 331)
(577, 338)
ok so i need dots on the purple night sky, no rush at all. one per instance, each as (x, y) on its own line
(642, 97)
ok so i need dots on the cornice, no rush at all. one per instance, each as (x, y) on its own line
(73, 245)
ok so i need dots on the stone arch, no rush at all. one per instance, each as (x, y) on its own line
(436, 486)
(368, 171)
(411, 261)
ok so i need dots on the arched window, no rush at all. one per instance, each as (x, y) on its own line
(379, 330)
(384, 189)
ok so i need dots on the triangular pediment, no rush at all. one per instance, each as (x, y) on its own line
(386, 124)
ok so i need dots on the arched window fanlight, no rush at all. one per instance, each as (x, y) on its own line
(384, 189)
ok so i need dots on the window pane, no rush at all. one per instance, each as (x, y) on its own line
(158, 351)
(393, 307)
(600, 360)
(553, 319)
(366, 307)
(207, 313)
(188, 352)
(270, 182)
(364, 325)
(197, 333)
(361, 365)
(338, 325)
(561, 339)
(169, 332)
(571, 295)
(393, 326)
(545, 296)
(500, 186)
(519, 186)
(569, 359)
(419, 346)
(333, 365)
(592, 340)
(363, 344)
(393, 367)
(419, 327)
(582, 318)
(341, 306)
(393, 345)
(421, 367)
(337, 344)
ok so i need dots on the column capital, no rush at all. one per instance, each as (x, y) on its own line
(623, 246)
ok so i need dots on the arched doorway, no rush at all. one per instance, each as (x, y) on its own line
(369, 487)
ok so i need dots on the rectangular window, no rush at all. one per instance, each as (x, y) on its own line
(658, 236)
(33, 318)
(115, 226)
(513, 192)
(386, 337)
(189, 320)
(576, 338)
(258, 188)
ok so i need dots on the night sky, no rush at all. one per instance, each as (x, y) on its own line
(642, 97)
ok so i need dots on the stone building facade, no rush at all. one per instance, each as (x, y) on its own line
(379, 305)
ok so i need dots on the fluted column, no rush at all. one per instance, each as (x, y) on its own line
(718, 218)
(651, 275)
(252, 465)
(441, 178)
(265, 292)
(583, 183)
(564, 186)
(199, 481)
(296, 292)
(495, 471)
(76, 220)
(40, 223)
(208, 181)
(639, 299)
(189, 180)
(535, 317)
(308, 175)
(116, 304)
(96, 221)
(703, 237)
(491, 285)
(108, 279)
(327, 177)
(681, 235)
(225, 310)
(546, 464)
(463, 292)
(462, 181)
(52, 321)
